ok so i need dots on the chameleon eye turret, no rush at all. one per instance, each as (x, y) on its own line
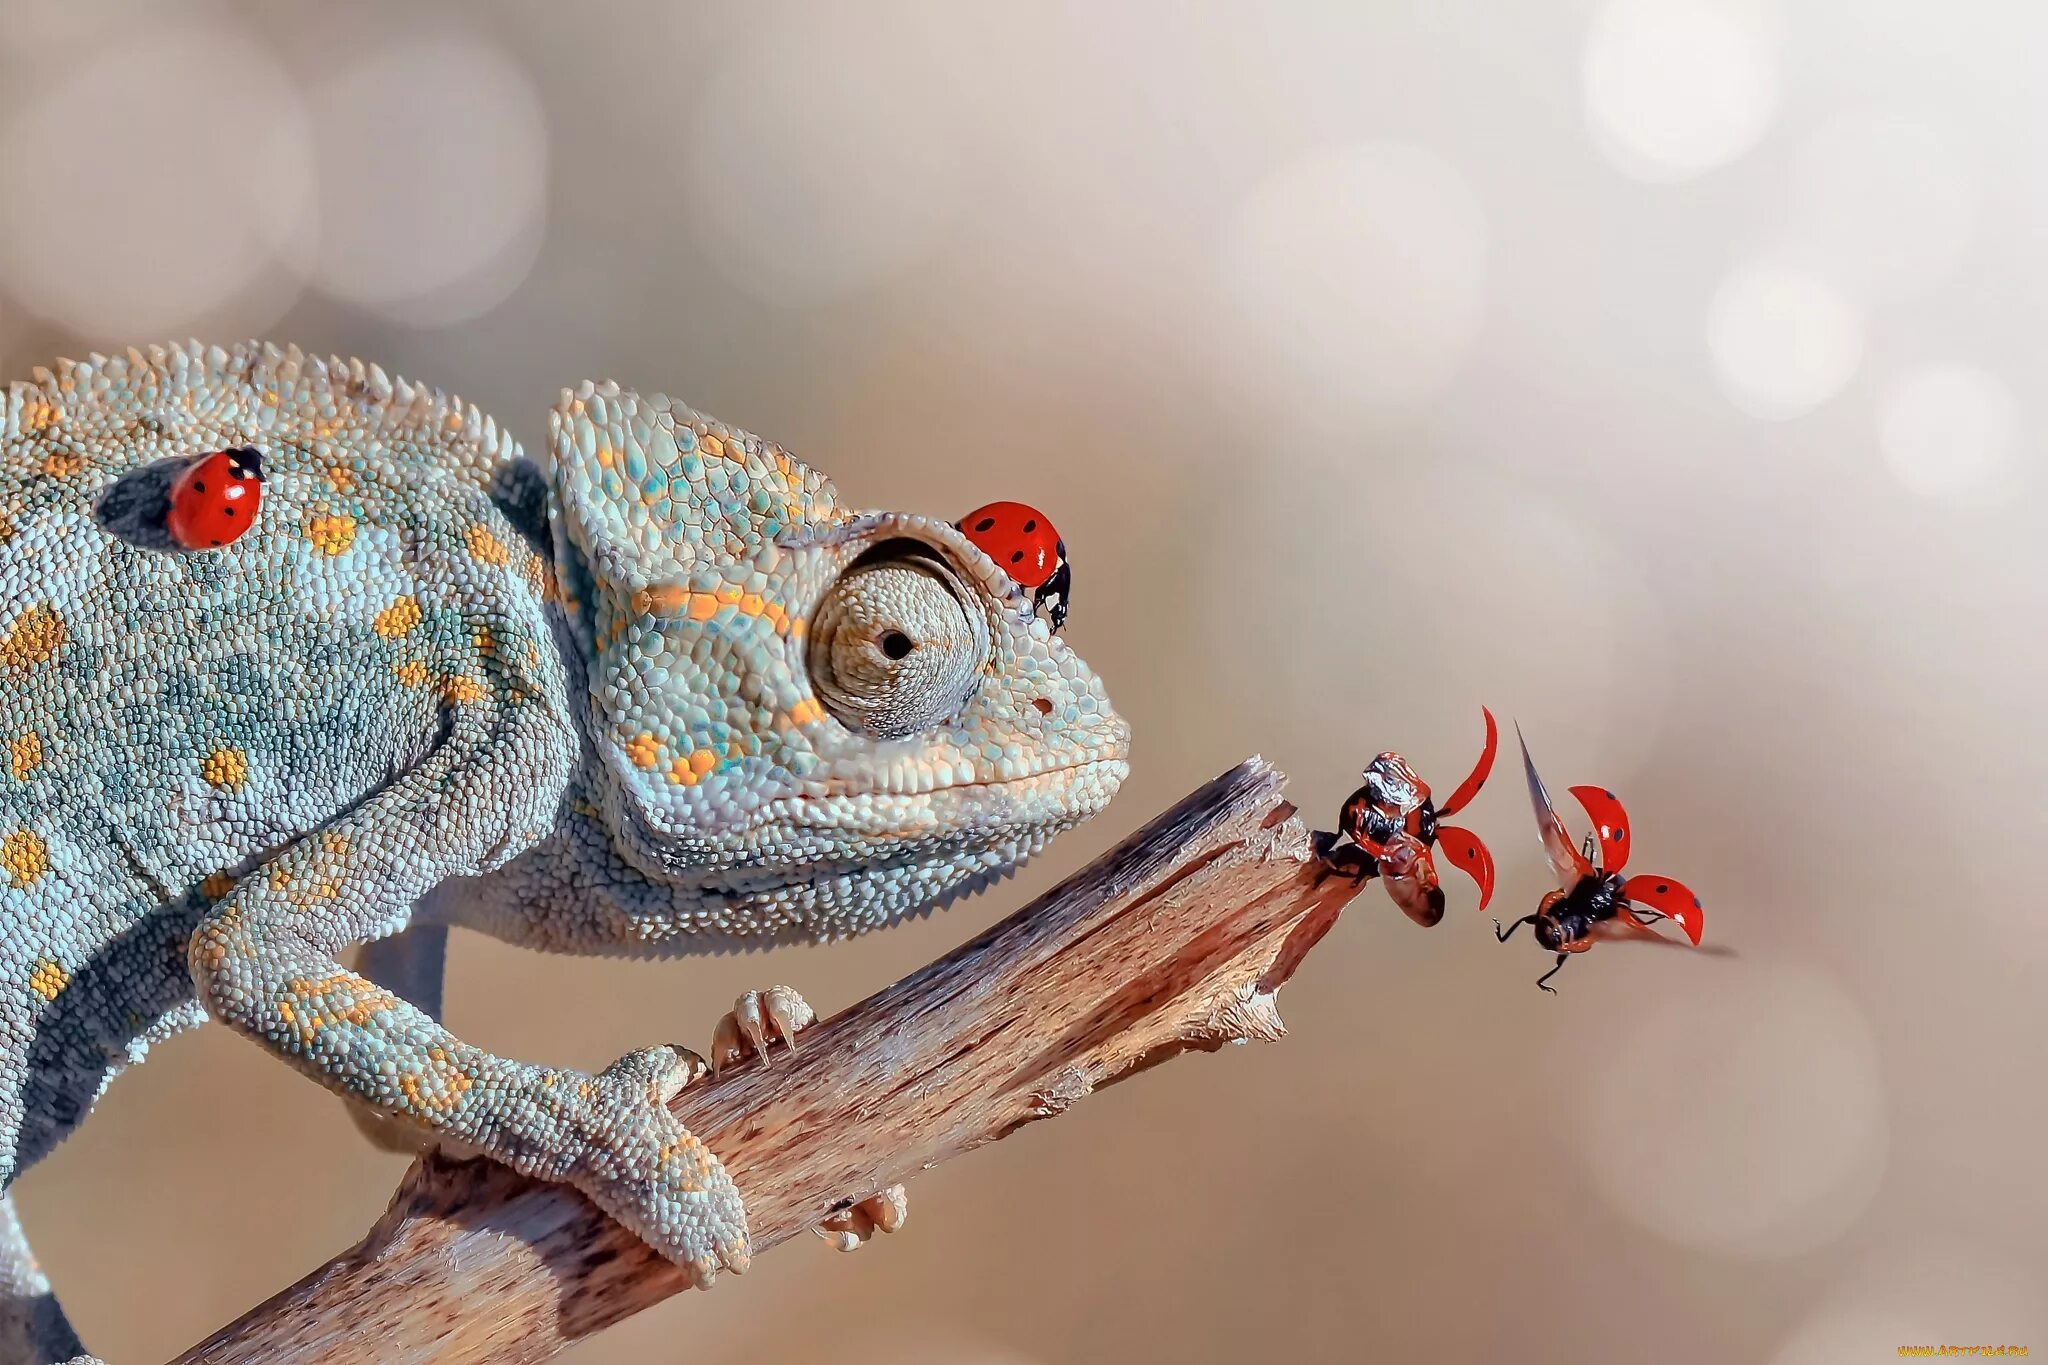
(1393, 825)
(1022, 539)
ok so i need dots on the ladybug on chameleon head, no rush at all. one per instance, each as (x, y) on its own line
(1022, 540)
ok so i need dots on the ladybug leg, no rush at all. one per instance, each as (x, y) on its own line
(1346, 860)
(1503, 935)
(1562, 958)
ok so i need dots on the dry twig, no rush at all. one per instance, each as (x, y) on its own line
(1175, 940)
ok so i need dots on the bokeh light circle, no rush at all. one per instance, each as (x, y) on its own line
(1783, 340)
(1674, 88)
(1948, 431)
(158, 186)
(1744, 1116)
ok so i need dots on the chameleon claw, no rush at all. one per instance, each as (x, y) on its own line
(851, 1228)
(756, 1020)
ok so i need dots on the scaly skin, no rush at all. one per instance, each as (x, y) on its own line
(746, 716)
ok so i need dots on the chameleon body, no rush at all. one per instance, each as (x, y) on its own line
(659, 693)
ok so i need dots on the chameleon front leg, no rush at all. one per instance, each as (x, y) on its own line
(263, 962)
(411, 964)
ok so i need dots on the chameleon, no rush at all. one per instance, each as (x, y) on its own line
(659, 692)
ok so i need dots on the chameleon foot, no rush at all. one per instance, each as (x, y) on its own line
(884, 1212)
(756, 1018)
(644, 1170)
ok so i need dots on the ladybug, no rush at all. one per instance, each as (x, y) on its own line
(1391, 821)
(216, 499)
(1023, 541)
(1593, 901)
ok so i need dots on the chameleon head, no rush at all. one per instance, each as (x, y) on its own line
(825, 720)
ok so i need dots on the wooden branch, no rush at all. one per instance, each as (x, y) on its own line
(1175, 940)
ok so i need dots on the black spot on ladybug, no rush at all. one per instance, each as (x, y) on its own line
(1612, 797)
(1662, 888)
(227, 511)
(214, 543)
(1695, 902)
(1017, 557)
(1031, 523)
(198, 485)
(985, 524)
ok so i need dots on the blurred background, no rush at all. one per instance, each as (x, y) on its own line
(1661, 373)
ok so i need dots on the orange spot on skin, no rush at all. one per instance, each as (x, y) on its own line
(644, 751)
(712, 447)
(401, 618)
(482, 641)
(703, 606)
(332, 533)
(36, 634)
(6, 530)
(38, 418)
(606, 456)
(62, 464)
(216, 886)
(703, 761)
(412, 673)
(340, 477)
(752, 604)
(48, 979)
(226, 769)
(461, 691)
(487, 548)
(25, 754)
(24, 857)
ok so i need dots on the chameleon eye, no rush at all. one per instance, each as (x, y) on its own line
(895, 647)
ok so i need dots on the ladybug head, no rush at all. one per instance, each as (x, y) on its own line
(246, 463)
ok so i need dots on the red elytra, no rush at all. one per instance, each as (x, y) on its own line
(1670, 898)
(1018, 537)
(216, 499)
(1610, 825)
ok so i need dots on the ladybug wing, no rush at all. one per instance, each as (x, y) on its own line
(1567, 864)
(1469, 788)
(1610, 824)
(1468, 855)
(1669, 898)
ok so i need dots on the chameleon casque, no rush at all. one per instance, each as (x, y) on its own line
(659, 694)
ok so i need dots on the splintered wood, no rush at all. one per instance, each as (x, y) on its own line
(1176, 940)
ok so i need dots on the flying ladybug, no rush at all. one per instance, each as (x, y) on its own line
(1593, 901)
(1392, 825)
(1022, 540)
